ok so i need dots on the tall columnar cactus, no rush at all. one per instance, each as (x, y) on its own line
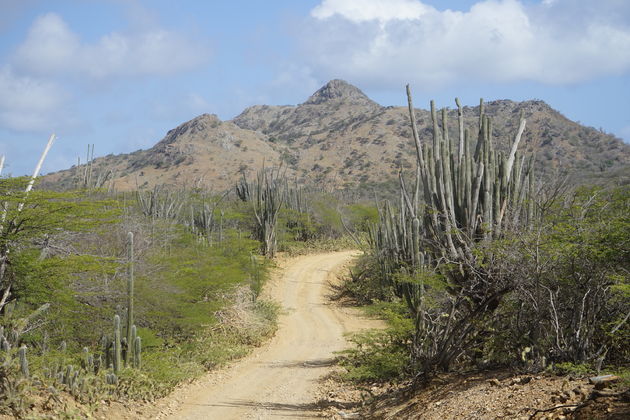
(299, 216)
(106, 347)
(23, 361)
(161, 203)
(134, 334)
(69, 374)
(202, 217)
(137, 352)
(88, 361)
(461, 198)
(267, 196)
(117, 346)
(4, 342)
(130, 287)
(466, 195)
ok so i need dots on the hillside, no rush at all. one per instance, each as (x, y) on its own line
(340, 137)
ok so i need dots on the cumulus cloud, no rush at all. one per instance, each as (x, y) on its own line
(30, 104)
(362, 11)
(52, 48)
(384, 42)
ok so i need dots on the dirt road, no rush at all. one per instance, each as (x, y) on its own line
(279, 381)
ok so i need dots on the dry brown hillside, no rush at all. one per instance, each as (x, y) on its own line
(340, 137)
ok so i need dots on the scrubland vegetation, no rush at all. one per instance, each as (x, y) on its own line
(481, 265)
(197, 270)
(473, 261)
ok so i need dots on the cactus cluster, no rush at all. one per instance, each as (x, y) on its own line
(299, 217)
(461, 198)
(86, 177)
(7, 343)
(76, 381)
(111, 379)
(202, 218)
(267, 196)
(161, 203)
(120, 352)
(295, 197)
(123, 351)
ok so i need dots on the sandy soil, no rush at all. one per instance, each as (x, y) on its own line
(279, 380)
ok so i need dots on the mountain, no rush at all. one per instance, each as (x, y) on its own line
(340, 137)
(204, 151)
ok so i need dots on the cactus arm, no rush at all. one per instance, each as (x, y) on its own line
(414, 129)
(460, 121)
(517, 140)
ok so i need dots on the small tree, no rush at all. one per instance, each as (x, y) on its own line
(31, 220)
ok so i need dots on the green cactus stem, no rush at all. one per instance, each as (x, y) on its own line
(117, 346)
(130, 287)
(67, 377)
(111, 379)
(4, 344)
(23, 361)
(137, 352)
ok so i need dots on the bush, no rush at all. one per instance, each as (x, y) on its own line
(564, 296)
(571, 303)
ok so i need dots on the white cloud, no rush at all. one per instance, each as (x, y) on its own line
(52, 48)
(30, 104)
(381, 10)
(386, 43)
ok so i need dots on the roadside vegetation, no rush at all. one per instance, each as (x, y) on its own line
(190, 264)
(480, 265)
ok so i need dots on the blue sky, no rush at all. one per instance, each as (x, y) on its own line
(120, 73)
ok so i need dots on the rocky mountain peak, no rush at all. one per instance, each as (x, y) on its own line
(196, 125)
(338, 89)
